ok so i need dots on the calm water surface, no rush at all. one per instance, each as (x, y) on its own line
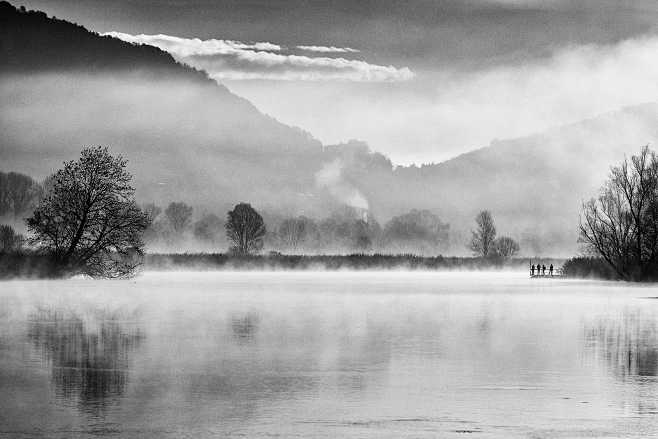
(328, 355)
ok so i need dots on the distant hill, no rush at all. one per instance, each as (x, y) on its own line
(188, 138)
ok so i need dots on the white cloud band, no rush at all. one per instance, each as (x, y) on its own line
(226, 59)
(328, 49)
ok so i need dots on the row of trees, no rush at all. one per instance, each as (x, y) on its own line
(87, 221)
(338, 233)
(417, 231)
(174, 223)
(244, 227)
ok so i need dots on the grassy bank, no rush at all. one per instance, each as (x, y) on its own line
(26, 264)
(34, 265)
(588, 268)
(223, 261)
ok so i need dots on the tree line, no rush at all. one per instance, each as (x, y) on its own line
(416, 232)
(345, 230)
(86, 220)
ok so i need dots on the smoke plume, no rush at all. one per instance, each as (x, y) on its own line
(331, 178)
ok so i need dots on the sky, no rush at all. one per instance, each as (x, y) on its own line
(419, 80)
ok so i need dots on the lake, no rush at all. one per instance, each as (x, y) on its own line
(356, 355)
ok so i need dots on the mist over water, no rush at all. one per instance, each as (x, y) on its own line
(328, 355)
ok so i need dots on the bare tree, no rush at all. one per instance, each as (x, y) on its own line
(298, 233)
(19, 194)
(10, 241)
(506, 247)
(89, 221)
(179, 215)
(482, 242)
(152, 210)
(621, 225)
(245, 229)
(291, 233)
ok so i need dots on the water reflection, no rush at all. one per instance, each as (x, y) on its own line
(266, 357)
(628, 344)
(88, 355)
(328, 356)
(245, 326)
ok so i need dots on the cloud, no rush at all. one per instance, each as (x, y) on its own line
(193, 46)
(328, 49)
(235, 60)
(443, 114)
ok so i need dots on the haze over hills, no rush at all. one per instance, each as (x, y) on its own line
(533, 185)
(188, 138)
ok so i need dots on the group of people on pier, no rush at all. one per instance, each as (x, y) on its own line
(541, 270)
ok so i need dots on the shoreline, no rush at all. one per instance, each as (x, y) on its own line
(28, 265)
(350, 262)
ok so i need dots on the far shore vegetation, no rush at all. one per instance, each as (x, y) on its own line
(84, 220)
(28, 264)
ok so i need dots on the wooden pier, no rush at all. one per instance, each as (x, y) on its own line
(547, 276)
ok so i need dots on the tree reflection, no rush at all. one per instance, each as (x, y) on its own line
(628, 344)
(245, 326)
(89, 357)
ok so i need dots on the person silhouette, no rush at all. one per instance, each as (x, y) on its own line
(550, 270)
(532, 270)
(543, 270)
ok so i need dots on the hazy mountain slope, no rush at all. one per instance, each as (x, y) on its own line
(63, 87)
